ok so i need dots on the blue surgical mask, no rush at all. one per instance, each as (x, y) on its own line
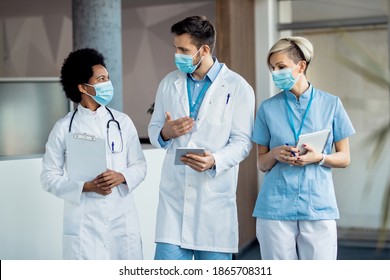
(284, 79)
(104, 92)
(184, 62)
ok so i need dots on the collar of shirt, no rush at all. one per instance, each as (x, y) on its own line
(303, 98)
(100, 111)
(212, 73)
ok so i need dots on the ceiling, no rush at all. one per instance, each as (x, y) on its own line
(313, 9)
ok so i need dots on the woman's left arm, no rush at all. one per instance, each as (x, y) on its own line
(341, 158)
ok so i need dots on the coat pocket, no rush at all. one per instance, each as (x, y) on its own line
(322, 196)
(71, 247)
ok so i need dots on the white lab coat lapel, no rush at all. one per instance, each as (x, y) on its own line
(181, 91)
(215, 88)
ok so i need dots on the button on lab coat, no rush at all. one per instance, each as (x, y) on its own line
(96, 227)
(198, 210)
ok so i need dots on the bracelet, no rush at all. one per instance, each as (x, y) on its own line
(322, 160)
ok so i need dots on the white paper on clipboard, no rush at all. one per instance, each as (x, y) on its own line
(85, 156)
(317, 140)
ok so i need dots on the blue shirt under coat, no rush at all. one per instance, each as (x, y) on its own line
(197, 85)
(299, 192)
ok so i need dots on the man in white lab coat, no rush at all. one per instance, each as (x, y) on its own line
(203, 104)
(100, 218)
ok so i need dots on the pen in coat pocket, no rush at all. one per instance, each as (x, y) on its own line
(227, 98)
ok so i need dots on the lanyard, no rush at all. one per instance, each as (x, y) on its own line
(289, 110)
(194, 109)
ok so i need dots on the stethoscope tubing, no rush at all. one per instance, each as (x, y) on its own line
(108, 125)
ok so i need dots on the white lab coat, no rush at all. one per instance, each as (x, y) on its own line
(104, 227)
(198, 210)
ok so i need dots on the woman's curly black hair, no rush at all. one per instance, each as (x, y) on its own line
(77, 69)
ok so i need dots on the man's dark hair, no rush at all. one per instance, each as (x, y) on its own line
(200, 29)
(77, 69)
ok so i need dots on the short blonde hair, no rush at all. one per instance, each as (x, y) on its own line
(296, 48)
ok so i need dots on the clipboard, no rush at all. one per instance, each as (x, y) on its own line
(181, 152)
(316, 139)
(85, 156)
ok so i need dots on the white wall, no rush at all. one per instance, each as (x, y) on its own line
(31, 219)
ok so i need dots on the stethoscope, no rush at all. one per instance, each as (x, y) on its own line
(111, 144)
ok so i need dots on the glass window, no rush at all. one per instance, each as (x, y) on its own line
(28, 111)
(352, 62)
(316, 10)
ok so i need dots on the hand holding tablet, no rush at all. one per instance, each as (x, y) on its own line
(317, 140)
(183, 151)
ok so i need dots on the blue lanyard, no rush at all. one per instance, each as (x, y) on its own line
(194, 109)
(289, 110)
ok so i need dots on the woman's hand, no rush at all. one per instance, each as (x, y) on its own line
(105, 182)
(310, 157)
(286, 154)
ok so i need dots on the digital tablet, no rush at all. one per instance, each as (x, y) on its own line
(181, 151)
(316, 139)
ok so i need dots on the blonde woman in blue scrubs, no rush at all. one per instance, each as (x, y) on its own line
(296, 208)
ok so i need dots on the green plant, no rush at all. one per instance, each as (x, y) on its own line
(151, 109)
(364, 64)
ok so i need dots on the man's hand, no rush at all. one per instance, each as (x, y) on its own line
(198, 162)
(175, 128)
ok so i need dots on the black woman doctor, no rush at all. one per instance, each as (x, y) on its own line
(100, 219)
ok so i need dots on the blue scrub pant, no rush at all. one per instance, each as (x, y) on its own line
(165, 251)
(297, 240)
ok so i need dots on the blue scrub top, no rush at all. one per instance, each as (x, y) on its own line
(299, 192)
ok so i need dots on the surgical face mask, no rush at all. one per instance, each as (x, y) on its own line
(184, 62)
(104, 92)
(284, 79)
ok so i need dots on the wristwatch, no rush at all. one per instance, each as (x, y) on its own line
(323, 159)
